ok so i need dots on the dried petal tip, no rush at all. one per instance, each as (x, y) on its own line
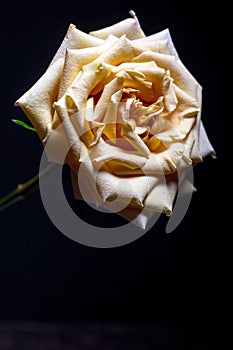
(133, 14)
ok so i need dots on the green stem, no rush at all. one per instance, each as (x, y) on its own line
(23, 190)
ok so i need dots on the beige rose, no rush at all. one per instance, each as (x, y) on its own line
(130, 112)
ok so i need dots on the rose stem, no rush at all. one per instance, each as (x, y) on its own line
(23, 190)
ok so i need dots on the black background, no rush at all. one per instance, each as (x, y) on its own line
(184, 277)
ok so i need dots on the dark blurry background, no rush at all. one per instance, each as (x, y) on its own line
(184, 277)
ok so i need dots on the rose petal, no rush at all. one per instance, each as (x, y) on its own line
(109, 90)
(149, 86)
(179, 73)
(205, 146)
(147, 43)
(163, 36)
(110, 118)
(121, 51)
(129, 27)
(104, 152)
(75, 39)
(71, 135)
(74, 62)
(37, 102)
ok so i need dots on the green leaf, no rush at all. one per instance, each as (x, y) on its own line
(23, 124)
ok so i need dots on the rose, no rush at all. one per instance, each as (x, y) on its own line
(130, 112)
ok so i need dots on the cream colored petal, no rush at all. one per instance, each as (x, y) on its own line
(85, 82)
(77, 117)
(156, 164)
(187, 188)
(179, 73)
(128, 132)
(110, 118)
(109, 90)
(202, 146)
(147, 43)
(58, 142)
(179, 123)
(206, 147)
(148, 69)
(74, 61)
(158, 197)
(130, 215)
(84, 178)
(137, 217)
(162, 36)
(144, 195)
(137, 81)
(139, 197)
(75, 39)
(187, 111)
(37, 102)
(104, 152)
(150, 86)
(164, 131)
(165, 35)
(128, 128)
(120, 51)
(78, 94)
(169, 93)
(108, 126)
(45, 91)
(130, 190)
(143, 114)
(192, 141)
(89, 110)
(89, 114)
(72, 136)
(161, 197)
(83, 187)
(152, 196)
(86, 188)
(160, 200)
(105, 186)
(111, 39)
(129, 27)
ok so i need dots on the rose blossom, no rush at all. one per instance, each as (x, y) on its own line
(129, 110)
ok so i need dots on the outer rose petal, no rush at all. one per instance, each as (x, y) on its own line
(77, 96)
(205, 146)
(75, 39)
(129, 27)
(163, 36)
(159, 199)
(182, 77)
(37, 102)
(74, 62)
